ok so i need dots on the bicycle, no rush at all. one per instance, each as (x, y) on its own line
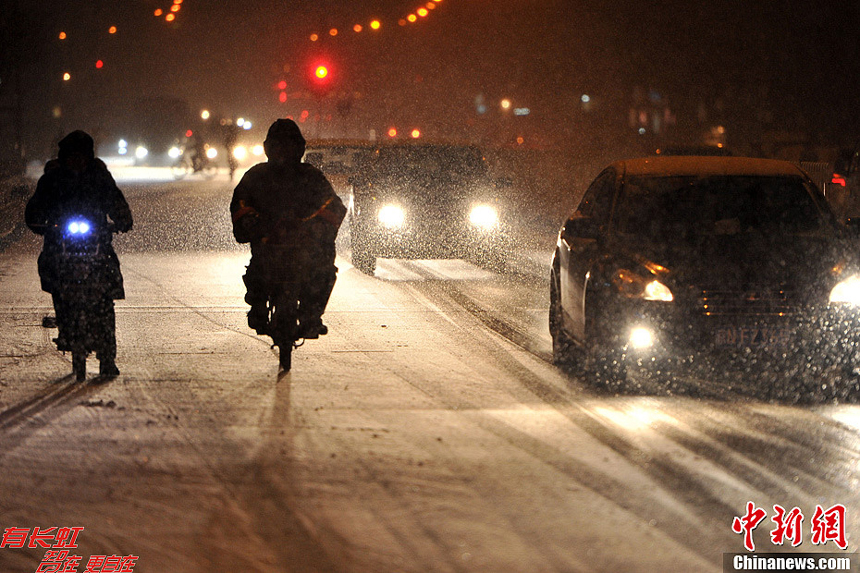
(188, 165)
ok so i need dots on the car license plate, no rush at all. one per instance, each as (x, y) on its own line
(752, 337)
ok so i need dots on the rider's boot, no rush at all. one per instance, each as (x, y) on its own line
(108, 368)
(312, 328)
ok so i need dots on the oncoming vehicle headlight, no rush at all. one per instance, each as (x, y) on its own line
(141, 152)
(174, 152)
(484, 216)
(632, 285)
(847, 291)
(391, 216)
(211, 153)
(641, 338)
(240, 152)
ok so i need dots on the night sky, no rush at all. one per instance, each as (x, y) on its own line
(753, 66)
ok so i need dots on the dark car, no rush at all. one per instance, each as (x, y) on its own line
(420, 200)
(725, 260)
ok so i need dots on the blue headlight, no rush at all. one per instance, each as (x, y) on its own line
(78, 227)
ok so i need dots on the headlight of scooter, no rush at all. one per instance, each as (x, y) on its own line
(78, 227)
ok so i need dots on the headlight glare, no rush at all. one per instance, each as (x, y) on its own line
(392, 216)
(78, 227)
(633, 285)
(847, 291)
(655, 290)
(641, 338)
(484, 216)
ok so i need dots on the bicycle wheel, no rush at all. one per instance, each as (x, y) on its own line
(284, 327)
(286, 356)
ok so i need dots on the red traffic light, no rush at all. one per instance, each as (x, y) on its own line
(321, 76)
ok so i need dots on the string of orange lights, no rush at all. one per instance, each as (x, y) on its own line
(170, 13)
(413, 17)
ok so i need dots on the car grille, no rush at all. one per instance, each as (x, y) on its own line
(749, 302)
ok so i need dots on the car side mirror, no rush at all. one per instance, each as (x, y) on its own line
(580, 227)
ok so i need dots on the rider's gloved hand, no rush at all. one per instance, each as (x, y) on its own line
(249, 228)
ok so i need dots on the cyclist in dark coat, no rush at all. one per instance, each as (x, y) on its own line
(77, 183)
(290, 214)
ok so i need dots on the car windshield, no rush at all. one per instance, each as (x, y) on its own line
(431, 161)
(686, 207)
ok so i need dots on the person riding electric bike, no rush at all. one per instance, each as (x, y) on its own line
(78, 192)
(290, 214)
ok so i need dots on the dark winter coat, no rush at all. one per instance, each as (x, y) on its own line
(292, 206)
(92, 194)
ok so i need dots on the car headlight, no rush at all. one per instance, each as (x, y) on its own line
(484, 216)
(174, 152)
(141, 152)
(641, 338)
(847, 291)
(633, 285)
(391, 216)
(240, 152)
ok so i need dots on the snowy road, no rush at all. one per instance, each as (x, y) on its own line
(427, 432)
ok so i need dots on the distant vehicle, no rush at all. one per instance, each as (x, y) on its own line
(720, 260)
(339, 159)
(425, 200)
(845, 183)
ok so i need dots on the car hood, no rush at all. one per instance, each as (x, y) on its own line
(743, 261)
